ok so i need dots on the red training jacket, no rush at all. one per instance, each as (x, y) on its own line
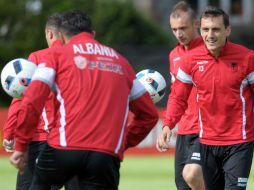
(189, 121)
(225, 89)
(96, 87)
(47, 117)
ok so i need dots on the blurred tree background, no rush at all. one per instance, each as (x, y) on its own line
(117, 23)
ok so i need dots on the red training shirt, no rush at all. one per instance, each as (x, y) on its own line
(189, 121)
(225, 89)
(47, 117)
(96, 87)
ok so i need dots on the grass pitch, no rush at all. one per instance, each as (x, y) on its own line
(137, 173)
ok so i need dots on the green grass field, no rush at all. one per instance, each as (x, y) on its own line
(137, 173)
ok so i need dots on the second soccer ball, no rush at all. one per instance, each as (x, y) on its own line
(154, 83)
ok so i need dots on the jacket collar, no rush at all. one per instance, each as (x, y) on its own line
(193, 43)
(81, 35)
(223, 51)
(56, 43)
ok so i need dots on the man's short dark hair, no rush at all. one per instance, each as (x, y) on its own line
(74, 22)
(54, 21)
(212, 11)
(180, 7)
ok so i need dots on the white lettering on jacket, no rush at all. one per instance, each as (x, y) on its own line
(95, 49)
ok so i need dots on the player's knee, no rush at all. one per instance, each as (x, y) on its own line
(192, 174)
(189, 178)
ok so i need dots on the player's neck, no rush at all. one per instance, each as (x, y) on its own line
(186, 47)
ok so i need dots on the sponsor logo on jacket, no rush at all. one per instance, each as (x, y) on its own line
(202, 62)
(82, 63)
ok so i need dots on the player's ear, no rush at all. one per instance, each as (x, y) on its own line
(51, 34)
(228, 29)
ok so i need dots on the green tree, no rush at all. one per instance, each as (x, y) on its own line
(115, 22)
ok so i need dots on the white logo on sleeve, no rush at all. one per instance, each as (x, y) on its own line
(177, 59)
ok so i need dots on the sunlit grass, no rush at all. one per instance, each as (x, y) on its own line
(137, 173)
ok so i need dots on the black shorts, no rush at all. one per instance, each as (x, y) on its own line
(227, 167)
(25, 180)
(187, 152)
(34, 149)
(95, 170)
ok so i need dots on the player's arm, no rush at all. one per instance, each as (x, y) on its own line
(31, 108)
(181, 87)
(29, 113)
(33, 58)
(176, 106)
(11, 122)
(250, 76)
(177, 101)
(33, 101)
(145, 115)
(10, 125)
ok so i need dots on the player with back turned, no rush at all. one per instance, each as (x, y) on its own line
(96, 87)
(47, 119)
(188, 171)
(223, 73)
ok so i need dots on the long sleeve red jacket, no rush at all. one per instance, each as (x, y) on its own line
(188, 123)
(96, 87)
(47, 120)
(224, 88)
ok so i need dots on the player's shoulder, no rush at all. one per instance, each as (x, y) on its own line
(176, 53)
(176, 49)
(117, 56)
(37, 55)
(39, 52)
(238, 48)
(199, 52)
(201, 49)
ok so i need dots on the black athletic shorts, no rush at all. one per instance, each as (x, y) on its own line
(95, 170)
(187, 152)
(25, 180)
(227, 167)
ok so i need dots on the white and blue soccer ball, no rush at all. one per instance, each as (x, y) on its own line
(153, 82)
(16, 76)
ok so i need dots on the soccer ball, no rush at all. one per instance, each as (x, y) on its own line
(154, 83)
(16, 76)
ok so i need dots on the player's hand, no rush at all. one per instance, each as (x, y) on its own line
(8, 145)
(163, 139)
(19, 160)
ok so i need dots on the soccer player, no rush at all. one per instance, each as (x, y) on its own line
(96, 87)
(47, 119)
(188, 171)
(223, 73)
